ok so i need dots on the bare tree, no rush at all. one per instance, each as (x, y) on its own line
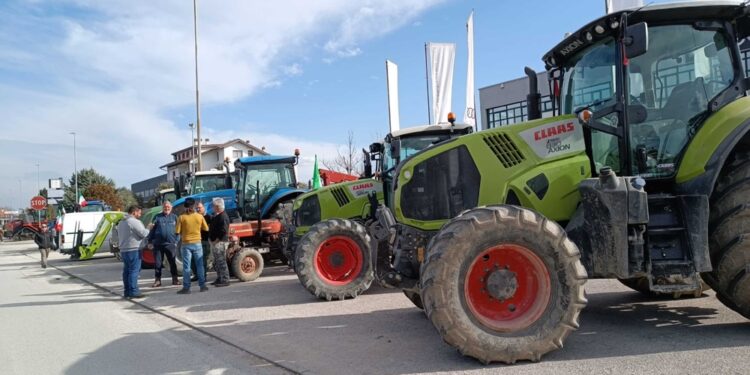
(348, 159)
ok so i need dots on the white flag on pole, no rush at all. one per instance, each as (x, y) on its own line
(391, 77)
(470, 113)
(442, 57)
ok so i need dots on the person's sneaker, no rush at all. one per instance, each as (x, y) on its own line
(184, 291)
(136, 296)
(156, 284)
(217, 281)
(204, 289)
(194, 278)
(175, 281)
(221, 284)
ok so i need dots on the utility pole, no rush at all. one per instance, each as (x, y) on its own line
(75, 168)
(197, 96)
(191, 165)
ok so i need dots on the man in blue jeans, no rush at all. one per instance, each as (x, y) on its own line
(130, 233)
(189, 227)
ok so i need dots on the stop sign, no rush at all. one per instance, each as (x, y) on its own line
(39, 203)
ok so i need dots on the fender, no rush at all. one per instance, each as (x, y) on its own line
(706, 154)
(280, 195)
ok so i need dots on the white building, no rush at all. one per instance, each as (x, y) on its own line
(213, 156)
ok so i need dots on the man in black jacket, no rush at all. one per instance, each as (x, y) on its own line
(218, 236)
(163, 240)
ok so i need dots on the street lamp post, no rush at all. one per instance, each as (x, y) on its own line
(197, 97)
(192, 147)
(75, 168)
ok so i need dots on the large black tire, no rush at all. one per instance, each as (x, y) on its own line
(729, 239)
(247, 264)
(333, 259)
(503, 283)
(640, 284)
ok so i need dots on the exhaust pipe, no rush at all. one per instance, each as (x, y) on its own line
(534, 99)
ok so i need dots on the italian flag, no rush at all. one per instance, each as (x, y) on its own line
(81, 201)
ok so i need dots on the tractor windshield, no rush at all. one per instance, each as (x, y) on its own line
(262, 181)
(409, 145)
(669, 88)
(206, 183)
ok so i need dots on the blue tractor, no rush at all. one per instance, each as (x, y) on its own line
(266, 186)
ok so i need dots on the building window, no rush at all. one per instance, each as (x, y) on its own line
(236, 154)
(746, 61)
(250, 153)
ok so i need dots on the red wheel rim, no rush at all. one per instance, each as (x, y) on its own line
(148, 256)
(516, 302)
(248, 264)
(338, 260)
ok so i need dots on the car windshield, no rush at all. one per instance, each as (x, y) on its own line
(92, 208)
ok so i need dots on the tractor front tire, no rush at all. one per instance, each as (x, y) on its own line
(247, 264)
(729, 241)
(503, 284)
(415, 298)
(333, 259)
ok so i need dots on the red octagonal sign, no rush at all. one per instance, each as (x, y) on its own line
(39, 203)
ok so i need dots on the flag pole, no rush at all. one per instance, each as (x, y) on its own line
(427, 81)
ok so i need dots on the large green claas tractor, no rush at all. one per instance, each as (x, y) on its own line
(642, 174)
(333, 259)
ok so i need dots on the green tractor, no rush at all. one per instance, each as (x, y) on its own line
(642, 174)
(333, 261)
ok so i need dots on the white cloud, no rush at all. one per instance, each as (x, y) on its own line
(111, 71)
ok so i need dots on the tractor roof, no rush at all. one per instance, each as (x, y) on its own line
(652, 14)
(428, 129)
(214, 172)
(267, 159)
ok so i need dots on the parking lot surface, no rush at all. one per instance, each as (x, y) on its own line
(381, 332)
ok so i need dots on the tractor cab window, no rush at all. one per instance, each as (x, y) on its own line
(671, 86)
(206, 183)
(589, 82)
(410, 145)
(261, 181)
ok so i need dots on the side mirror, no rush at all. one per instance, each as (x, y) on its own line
(636, 40)
(367, 165)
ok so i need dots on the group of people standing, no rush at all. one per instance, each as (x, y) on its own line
(194, 233)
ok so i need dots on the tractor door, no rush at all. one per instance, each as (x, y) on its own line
(670, 88)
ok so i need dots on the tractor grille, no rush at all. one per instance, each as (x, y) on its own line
(504, 148)
(340, 195)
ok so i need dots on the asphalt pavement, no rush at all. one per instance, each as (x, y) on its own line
(274, 325)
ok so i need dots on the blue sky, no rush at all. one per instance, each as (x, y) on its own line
(283, 74)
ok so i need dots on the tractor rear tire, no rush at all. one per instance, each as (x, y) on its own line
(729, 241)
(247, 264)
(640, 284)
(333, 260)
(503, 284)
(415, 298)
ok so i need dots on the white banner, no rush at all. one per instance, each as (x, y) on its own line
(470, 112)
(442, 57)
(391, 74)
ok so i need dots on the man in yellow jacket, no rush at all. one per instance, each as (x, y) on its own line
(189, 227)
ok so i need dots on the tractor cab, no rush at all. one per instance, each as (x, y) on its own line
(262, 182)
(644, 82)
